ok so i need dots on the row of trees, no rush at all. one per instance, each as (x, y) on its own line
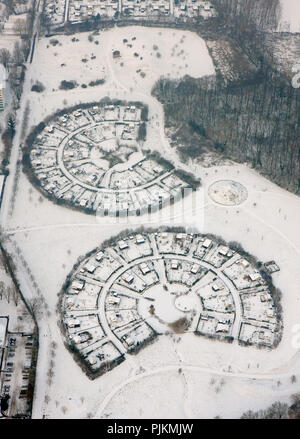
(258, 123)
(8, 293)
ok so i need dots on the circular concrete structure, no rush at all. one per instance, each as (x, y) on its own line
(147, 284)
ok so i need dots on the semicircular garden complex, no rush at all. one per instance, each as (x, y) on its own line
(121, 296)
(91, 157)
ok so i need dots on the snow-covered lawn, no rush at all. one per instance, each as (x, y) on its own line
(267, 229)
(290, 16)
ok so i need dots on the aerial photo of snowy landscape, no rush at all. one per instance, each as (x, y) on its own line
(149, 209)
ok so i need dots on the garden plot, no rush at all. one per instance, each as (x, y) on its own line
(100, 270)
(217, 356)
(173, 243)
(224, 396)
(256, 334)
(215, 324)
(84, 296)
(164, 387)
(219, 255)
(216, 297)
(105, 354)
(289, 20)
(17, 338)
(120, 318)
(257, 306)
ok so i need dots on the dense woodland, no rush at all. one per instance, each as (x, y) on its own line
(254, 120)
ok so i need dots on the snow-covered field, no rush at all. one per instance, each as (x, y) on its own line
(51, 238)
